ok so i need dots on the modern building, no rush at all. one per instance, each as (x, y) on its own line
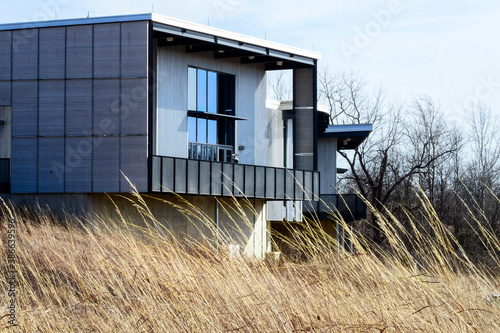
(90, 106)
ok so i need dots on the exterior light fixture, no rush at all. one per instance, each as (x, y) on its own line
(251, 57)
(170, 39)
(279, 63)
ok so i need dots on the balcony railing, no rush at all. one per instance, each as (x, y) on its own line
(199, 177)
(4, 175)
(350, 206)
(210, 152)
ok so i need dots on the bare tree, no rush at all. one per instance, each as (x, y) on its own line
(280, 85)
(404, 142)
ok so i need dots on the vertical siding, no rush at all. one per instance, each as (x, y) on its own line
(24, 165)
(24, 108)
(304, 121)
(106, 164)
(134, 163)
(107, 50)
(79, 52)
(51, 165)
(5, 91)
(106, 116)
(78, 165)
(51, 109)
(5, 54)
(134, 107)
(134, 47)
(25, 54)
(79, 107)
(52, 53)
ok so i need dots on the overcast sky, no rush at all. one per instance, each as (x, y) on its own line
(449, 50)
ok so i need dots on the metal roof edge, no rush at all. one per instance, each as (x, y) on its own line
(76, 21)
(349, 128)
(233, 36)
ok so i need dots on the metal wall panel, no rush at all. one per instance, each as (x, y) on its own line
(316, 185)
(216, 186)
(78, 165)
(308, 185)
(24, 108)
(79, 107)
(239, 180)
(280, 183)
(107, 50)
(134, 107)
(270, 183)
(180, 176)
(51, 165)
(106, 164)
(289, 185)
(25, 54)
(260, 174)
(24, 165)
(167, 176)
(134, 163)
(79, 52)
(205, 171)
(134, 47)
(106, 114)
(304, 118)
(5, 55)
(299, 187)
(5, 91)
(249, 180)
(51, 108)
(52, 53)
(157, 170)
(227, 179)
(192, 176)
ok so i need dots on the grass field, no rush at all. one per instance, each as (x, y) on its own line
(99, 276)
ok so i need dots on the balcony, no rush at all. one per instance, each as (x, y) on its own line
(350, 206)
(210, 152)
(214, 178)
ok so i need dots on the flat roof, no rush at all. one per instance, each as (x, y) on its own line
(184, 26)
(348, 136)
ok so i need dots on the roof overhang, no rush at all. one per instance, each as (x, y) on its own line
(348, 136)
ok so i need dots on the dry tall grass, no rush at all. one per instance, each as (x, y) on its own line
(98, 276)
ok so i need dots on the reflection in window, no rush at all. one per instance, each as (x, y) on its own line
(211, 137)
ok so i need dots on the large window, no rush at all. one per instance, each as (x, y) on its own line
(211, 101)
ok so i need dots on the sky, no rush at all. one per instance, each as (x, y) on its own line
(448, 50)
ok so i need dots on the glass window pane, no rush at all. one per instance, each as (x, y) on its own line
(202, 131)
(212, 132)
(212, 92)
(202, 90)
(192, 88)
(191, 129)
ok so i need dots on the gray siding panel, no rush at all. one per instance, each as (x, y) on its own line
(51, 165)
(134, 162)
(134, 107)
(78, 165)
(24, 108)
(106, 164)
(5, 54)
(78, 107)
(107, 50)
(134, 45)
(79, 52)
(52, 53)
(51, 108)
(5, 90)
(25, 54)
(106, 116)
(24, 165)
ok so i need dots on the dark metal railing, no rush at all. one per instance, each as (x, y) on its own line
(350, 206)
(189, 176)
